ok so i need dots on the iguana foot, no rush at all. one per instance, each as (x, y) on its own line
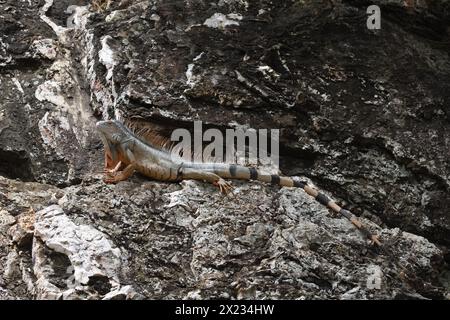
(224, 186)
(375, 240)
(116, 176)
(110, 177)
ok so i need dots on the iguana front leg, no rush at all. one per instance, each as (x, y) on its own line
(224, 186)
(116, 176)
(112, 164)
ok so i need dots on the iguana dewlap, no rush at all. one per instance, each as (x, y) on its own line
(126, 153)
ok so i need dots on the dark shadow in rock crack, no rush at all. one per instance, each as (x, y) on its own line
(61, 269)
(100, 284)
(15, 165)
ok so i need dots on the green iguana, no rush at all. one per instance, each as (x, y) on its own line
(127, 152)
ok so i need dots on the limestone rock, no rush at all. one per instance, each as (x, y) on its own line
(363, 115)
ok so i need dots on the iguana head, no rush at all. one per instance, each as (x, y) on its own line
(112, 130)
(112, 133)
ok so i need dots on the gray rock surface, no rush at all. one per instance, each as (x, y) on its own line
(363, 114)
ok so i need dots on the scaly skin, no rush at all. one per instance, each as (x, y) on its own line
(125, 153)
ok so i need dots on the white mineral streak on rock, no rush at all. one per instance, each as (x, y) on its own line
(166, 113)
(4, 51)
(98, 91)
(58, 30)
(18, 85)
(46, 6)
(268, 72)
(46, 48)
(199, 56)
(221, 21)
(54, 90)
(191, 79)
(155, 17)
(104, 95)
(106, 56)
(79, 16)
(63, 90)
(139, 6)
(116, 15)
(90, 252)
(78, 19)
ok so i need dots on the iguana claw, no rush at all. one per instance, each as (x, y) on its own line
(224, 186)
(114, 170)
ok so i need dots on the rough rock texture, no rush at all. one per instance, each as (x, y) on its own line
(363, 114)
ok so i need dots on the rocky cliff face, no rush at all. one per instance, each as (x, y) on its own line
(364, 114)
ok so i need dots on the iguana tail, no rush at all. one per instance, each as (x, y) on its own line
(232, 171)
